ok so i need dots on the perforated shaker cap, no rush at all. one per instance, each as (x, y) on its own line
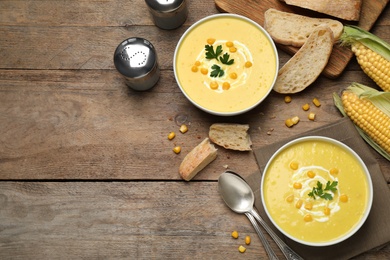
(164, 5)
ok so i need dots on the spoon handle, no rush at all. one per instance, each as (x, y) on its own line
(286, 250)
(267, 246)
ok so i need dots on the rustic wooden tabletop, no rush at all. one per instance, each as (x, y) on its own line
(86, 168)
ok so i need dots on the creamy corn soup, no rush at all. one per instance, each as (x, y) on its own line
(315, 191)
(225, 64)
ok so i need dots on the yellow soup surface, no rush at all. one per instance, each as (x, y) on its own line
(243, 82)
(293, 174)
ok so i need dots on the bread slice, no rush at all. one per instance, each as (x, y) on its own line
(231, 136)
(197, 159)
(343, 9)
(294, 29)
(307, 64)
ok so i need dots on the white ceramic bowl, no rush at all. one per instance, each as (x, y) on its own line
(251, 86)
(285, 155)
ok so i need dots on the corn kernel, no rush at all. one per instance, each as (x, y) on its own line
(225, 85)
(294, 165)
(308, 218)
(327, 211)
(213, 85)
(229, 44)
(299, 203)
(177, 149)
(287, 99)
(171, 135)
(183, 128)
(235, 234)
(197, 63)
(308, 205)
(334, 171)
(297, 185)
(210, 40)
(247, 240)
(311, 116)
(306, 107)
(233, 49)
(290, 198)
(311, 174)
(248, 64)
(316, 102)
(233, 75)
(289, 122)
(194, 68)
(295, 120)
(241, 249)
(343, 198)
(204, 71)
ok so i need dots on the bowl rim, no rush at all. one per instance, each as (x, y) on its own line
(366, 173)
(210, 17)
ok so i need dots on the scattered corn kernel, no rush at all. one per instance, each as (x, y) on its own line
(213, 85)
(343, 198)
(229, 44)
(294, 165)
(334, 171)
(316, 102)
(306, 107)
(247, 240)
(295, 120)
(287, 99)
(311, 174)
(177, 149)
(311, 116)
(248, 64)
(233, 75)
(233, 49)
(308, 205)
(171, 135)
(225, 85)
(241, 249)
(210, 40)
(299, 203)
(327, 211)
(183, 128)
(297, 185)
(197, 63)
(289, 122)
(308, 218)
(194, 68)
(290, 198)
(235, 234)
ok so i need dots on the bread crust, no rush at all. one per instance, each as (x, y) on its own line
(307, 64)
(197, 159)
(294, 29)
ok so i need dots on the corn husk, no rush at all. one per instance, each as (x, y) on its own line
(352, 34)
(380, 99)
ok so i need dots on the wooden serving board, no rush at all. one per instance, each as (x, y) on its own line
(254, 9)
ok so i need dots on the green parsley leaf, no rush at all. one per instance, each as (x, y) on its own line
(217, 71)
(225, 59)
(321, 193)
(211, 54)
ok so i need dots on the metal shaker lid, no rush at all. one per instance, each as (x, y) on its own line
(135, 57)
(164, 5)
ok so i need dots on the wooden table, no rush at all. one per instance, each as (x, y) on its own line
(86, 168)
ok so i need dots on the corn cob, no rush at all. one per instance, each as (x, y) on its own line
(372, 54)
(369, 109)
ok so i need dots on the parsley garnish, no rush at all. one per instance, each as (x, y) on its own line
(320, 192)
(225, 59)
(211, 54)
(217, 71)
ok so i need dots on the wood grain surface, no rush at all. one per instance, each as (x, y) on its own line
(371, 10)
(86, 169)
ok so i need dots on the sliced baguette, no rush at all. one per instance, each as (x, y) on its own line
(343, 9)
(293, 29)
(307, 64)
(197, 159)
(231, 136)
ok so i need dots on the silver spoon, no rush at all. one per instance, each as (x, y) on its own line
(239, 197)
